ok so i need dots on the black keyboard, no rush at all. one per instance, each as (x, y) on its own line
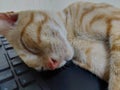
(15, 75)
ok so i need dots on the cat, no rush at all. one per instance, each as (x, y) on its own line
(85, 32)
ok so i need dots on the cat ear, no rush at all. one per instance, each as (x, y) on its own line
(7, 21)
(9, 17)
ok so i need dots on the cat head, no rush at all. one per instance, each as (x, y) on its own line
(39, 38)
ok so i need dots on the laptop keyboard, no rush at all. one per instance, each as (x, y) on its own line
(14, 74)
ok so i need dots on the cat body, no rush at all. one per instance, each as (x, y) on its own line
(85, 32)
(86, 25)
(94, 34)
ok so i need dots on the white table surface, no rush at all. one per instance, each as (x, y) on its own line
(18, 5)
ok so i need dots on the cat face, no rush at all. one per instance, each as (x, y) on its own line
(54, 45)
(41, 41)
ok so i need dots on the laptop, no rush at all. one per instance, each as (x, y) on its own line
(15, 75)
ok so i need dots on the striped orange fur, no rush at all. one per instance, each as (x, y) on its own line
(86, 32)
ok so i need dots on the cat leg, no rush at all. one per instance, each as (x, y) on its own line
(114, 40)
(92, 56)
(80, 47)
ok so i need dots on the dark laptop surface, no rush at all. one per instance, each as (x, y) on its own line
(15, 75)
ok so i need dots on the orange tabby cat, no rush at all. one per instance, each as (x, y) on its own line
(86, 32)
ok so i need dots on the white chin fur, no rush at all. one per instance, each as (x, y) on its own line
(38, 68)
(62, 64)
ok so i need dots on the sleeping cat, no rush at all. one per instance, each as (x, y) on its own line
(88, 33)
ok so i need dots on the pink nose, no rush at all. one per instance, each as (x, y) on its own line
(52, 64)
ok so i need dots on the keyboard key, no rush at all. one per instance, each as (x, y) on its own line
(16, 61)
(3, 39)
(9, 85)
(8, 46)
(5, 42)
(12, 54)
(21, 69)
(33, 86)
(0, 44)
(26, 79)
(1, 36)
(5, 75)
(3, 63)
